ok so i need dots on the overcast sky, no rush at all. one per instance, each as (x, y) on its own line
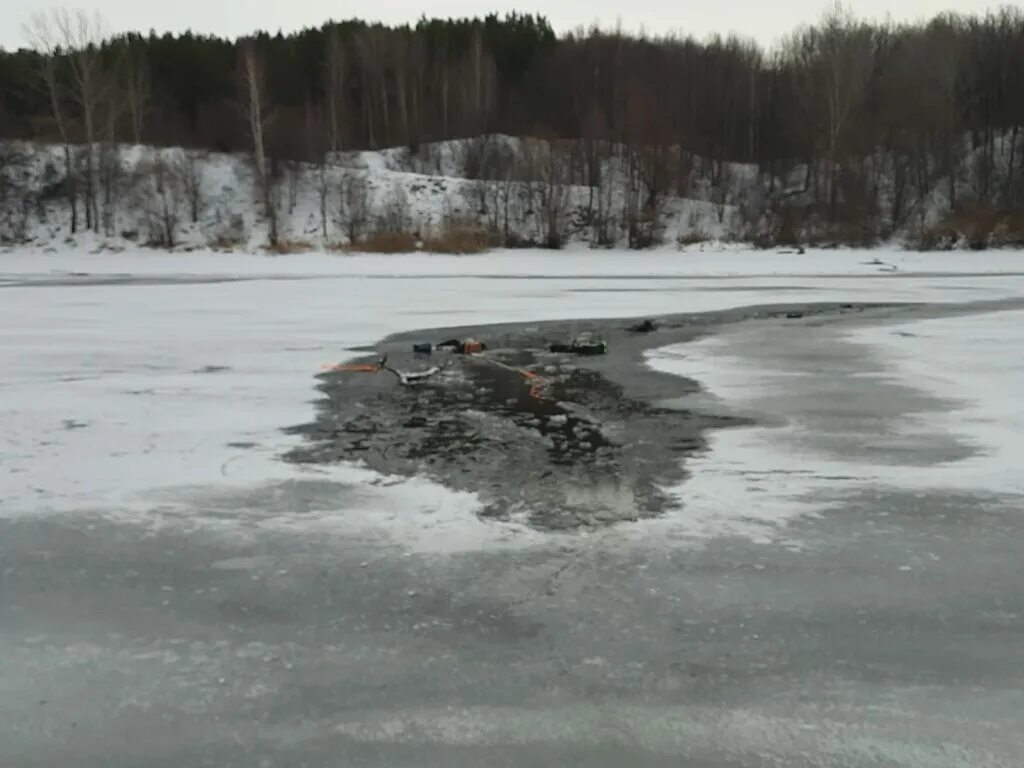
(760, 19)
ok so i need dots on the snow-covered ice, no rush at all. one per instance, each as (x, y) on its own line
(124, 375)
(172, 593)
(966, 436)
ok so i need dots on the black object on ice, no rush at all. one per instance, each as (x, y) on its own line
(645, 327)
(794, 315)
(423, 349)
(590, 347)
(467, 347)
(582, 345)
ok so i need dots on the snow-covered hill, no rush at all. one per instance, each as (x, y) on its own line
(510, 191)
(146, 195)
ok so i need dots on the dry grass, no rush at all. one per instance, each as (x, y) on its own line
(463, 240)
(977, 228)
(821, 226)
(931, 239)
(385, 242)
(291, 246)
(222, 243)
(459, 240)
(694, 236)
(1010, 229)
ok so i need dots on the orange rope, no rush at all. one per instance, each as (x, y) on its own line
(359, 367)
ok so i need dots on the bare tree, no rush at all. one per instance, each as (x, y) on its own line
(634, 211)
(381, 47)
(162, 202)
(417, 79)
(552, 194)
(444, 76)
(45, 39)
(488, 197)
(503, 194)
(722, 194)
(335, 96)
(483, 76)
(81, 35)
(373, 68)
(253, 74)
(601, 209)
(323, 190)
(480, 163)
(401, 60)
(136, 90)
(395, 215)
(293, 177)
(110, 168)
(834, 62)
(942, 83)
(190, 171)
(354, 205)
(15, 195)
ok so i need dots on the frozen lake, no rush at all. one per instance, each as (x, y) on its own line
(840, 588)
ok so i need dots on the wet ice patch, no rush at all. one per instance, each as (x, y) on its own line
(920, 405)
(976, 363)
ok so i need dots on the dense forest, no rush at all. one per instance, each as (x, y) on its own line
(871, 116)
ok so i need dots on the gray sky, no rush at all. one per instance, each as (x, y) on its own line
(761, 19)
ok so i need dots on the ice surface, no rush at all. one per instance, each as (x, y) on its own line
(171, 593)
(128, 376)
(977, 364)
(965, 435)
(680, 265)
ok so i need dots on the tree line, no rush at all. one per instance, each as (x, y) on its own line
(872, 116)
